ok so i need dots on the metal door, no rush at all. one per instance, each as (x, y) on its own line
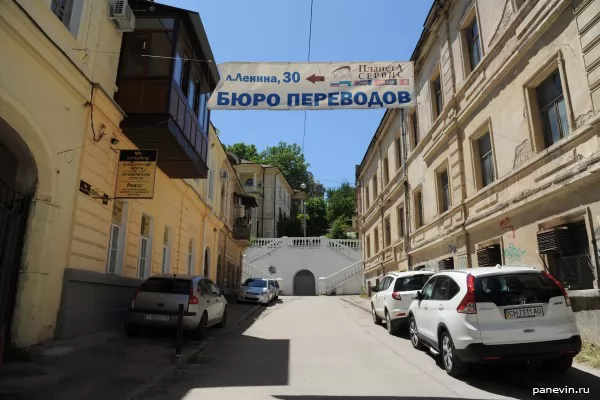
(304, 284)
(14, 212)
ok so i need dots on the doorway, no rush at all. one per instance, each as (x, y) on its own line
(304, 283)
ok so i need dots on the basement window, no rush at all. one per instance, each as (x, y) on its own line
(489, 256)
(568, 255)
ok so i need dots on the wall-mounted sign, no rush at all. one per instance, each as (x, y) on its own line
(314, 86)
(91, 191)
(136, 173)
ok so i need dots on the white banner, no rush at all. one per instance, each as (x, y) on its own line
(314, 86)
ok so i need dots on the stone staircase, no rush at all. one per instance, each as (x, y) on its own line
(336, 264)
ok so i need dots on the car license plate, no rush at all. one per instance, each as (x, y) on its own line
(157, 317)
(525, 312)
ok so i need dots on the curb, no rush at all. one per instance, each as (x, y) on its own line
(138, 392)
(356, 305)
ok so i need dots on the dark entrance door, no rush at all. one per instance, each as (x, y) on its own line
(304, 283)
(14, 210)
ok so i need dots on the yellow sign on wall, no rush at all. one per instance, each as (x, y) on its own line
(136, 173)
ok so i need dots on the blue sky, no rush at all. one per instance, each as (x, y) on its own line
(277, 30)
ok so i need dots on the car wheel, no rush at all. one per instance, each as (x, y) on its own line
(200, 332)
(414, 334)
(388, 324)
(560, 364)
(223, 322)
(376, 319)
(452, 365)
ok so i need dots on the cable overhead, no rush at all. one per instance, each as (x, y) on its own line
(308, 60)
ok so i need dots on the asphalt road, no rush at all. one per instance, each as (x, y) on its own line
(312, 348)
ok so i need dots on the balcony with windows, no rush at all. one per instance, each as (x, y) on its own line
(242, 212)
(164, 86)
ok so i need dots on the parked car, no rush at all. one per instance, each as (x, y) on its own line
(156, 304)
(393, 296)
(274, 284)
(255, 290)
(494, 314)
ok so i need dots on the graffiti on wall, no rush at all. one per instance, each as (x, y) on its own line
(507, 226)
(513, 253)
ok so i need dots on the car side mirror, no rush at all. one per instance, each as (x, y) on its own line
(374, 289)
(419, 295)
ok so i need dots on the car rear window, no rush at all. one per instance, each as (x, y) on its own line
(166, 285)
(514, 289)
(255, 283)
(409, 283)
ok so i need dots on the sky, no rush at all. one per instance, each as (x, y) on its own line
(278, 31)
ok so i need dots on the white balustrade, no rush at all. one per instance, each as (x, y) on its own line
(250, 271)
(335, 280)
(270, 245)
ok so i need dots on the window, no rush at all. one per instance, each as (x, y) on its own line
(427, 290)
(386, 171)
(410, 283)
(68, 12)
(512, 289)
(145, 247)
(166, 285)
(116, 242)
(400, 222)
(249, 182)
(419, 220)
(367, 199)
(486, 159)
(375, 193)
(185, 73)
(473, 43)
(194, 95)
(385, 283)
(191, 257)
(387, 233)
(177, 68)
(368, 247)
(437, 96)
(552, 109)
(445, 289)
(444, 191)
(414, 119)
(166, 251)
(211, 181)
(376, 238)
(399, 153)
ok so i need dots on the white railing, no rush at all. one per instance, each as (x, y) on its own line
(250, 271)
(352, 243)
(335, 280)
(346, 247)
(261, 242)
(270, 245)
(305, 242)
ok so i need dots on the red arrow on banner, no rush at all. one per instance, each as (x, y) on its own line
(315, 78)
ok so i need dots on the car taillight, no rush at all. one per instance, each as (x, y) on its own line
(396, 296)
(560, 285)
(467, 305)
(193, 299)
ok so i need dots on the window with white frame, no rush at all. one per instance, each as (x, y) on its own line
(68, 12)
(471, 39)
(116, 241)
(145, 247)
(444, 199)
(191, 257)
(552, 108)
(166, 251)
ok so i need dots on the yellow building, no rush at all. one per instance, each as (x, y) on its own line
(71, 255)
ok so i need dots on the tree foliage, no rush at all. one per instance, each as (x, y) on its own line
(338, 229)
(341, 203)
(244, 151)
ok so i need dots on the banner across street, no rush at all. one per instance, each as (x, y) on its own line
(314, 86)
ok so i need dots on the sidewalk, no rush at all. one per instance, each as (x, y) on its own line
(106, 365)
(358, 301)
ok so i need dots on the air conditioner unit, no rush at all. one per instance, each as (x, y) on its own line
(122, 15)
(224, 175)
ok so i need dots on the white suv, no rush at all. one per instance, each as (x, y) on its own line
(497, 313)
(393, 297)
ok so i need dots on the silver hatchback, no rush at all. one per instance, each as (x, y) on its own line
(256, 290)
(156, 303)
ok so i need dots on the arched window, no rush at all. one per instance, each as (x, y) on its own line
(249, 182)
(207, 262)
(191, 258)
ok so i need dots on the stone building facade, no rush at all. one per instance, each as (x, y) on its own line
(499, 162)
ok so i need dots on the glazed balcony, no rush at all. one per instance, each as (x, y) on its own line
(164, 88)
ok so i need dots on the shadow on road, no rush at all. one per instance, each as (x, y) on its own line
(233, 359)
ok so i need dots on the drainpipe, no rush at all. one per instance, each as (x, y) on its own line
(381, 203)
(262, 218)
(274, 203)
(406, 189)
(203, 249)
